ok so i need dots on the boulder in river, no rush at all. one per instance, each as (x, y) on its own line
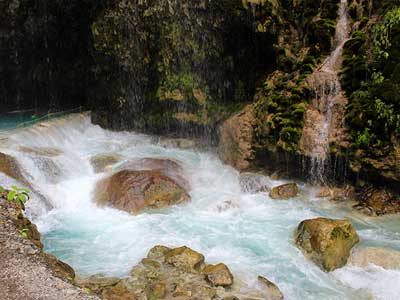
(103, 162)
(178, 273)
(327, 242)
(133, 191)
(382, 257)
(284, 191)
(376, 202)
(218, 275)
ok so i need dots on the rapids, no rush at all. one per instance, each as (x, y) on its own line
(251, 233)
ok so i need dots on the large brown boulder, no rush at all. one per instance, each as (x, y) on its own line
(236, 139)
(284, 191)
(133, 191)
(327, 242)
(271, 289)
(185, 258)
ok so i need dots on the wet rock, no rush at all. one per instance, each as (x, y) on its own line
(97, 282)
(167, 167)
(337, 193)
(133, 191)
(181, 143)
(254, 183)
(327, 242)
(270, 288)
(285, 191)
(382, 257)
(236, 138)
(376, 202)
(218, 275)
(10, 166)
(185, 258)
(158, 252)
(60, 268)
(158, 290)
(104, 162)
(41, 151)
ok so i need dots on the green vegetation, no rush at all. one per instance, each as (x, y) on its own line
(16, 194)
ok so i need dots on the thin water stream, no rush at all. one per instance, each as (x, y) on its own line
(251, 233)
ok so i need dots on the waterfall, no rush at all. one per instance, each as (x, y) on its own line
(324, 117)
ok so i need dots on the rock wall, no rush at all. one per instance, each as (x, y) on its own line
(175, 66)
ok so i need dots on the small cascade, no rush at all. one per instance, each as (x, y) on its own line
(324, 117)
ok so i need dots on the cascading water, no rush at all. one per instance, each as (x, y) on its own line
(250, 232)
(323, 121)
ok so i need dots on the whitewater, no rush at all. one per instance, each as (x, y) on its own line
(250, 232)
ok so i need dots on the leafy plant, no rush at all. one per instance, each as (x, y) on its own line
(18, 195)
(24, 232)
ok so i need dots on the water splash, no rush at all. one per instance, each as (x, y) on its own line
(324, 117)
(250, 232)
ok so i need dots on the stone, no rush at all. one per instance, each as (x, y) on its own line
(375, 202)
(134, 191)
(104, 162)
(236, 139)
(271, 289)
(185, 258)
(285, 191)
(41, 151)
(327, 242)
(158, 252)
(218, 275)
(158, 290)
(60, 268)
(97, 282)
(383, 257)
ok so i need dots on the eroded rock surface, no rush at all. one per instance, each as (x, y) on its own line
(178, 273)
(327, 242)
(284, 191)
(236, 138)
(104, 162)
(375, 202)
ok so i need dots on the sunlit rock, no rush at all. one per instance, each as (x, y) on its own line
(218, 275)
(327, 242)
(284, 191)
(383, 257)
(236, 138)
(185, 258)
(133, 191)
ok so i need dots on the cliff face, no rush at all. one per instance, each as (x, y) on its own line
(184, 67)
(45, 53)
(175, 66)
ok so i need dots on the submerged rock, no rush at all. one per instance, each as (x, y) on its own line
(178, 273)
(104, 162)
(382, 257)
(236, 138)
(254, 183)
(272, 291)
(165, 166)
(41, 151)
(327, 242)
(10, 166)
(133, 191)
(376, 202)
(284, 191)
